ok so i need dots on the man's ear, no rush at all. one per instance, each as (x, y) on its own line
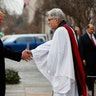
(57, 20)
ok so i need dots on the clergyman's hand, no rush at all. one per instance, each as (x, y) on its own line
(26, 55)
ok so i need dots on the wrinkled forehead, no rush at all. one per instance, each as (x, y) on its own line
(49, 17)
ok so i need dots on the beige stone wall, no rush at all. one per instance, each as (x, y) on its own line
(31, 10)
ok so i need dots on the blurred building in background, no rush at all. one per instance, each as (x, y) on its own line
(32, 20)
(37, 20)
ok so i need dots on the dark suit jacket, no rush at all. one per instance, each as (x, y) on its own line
(5, 53)
(88, 52)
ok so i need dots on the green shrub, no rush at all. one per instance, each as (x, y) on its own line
(12, 76)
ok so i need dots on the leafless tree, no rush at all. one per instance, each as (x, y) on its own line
(77, 12)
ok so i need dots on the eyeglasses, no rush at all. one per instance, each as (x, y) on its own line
(51, 19)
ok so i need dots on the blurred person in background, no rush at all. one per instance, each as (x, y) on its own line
(87, 46)
(6, 53)
(59, 59)
(78, 32)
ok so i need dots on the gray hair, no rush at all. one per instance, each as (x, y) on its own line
(56, 13)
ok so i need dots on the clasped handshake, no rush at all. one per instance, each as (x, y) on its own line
(26, 55)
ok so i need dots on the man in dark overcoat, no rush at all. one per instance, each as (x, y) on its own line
(6, 53)
(87, 46)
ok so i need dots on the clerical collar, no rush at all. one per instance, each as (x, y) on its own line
(62, 23)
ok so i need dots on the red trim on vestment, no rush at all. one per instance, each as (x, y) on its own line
(79, 66)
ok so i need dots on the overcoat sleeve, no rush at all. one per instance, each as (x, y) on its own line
(12, 54)
(7, 53)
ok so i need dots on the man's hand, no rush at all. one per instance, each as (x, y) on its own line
(26, 55)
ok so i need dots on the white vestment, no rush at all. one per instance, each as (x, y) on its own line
(55, 61)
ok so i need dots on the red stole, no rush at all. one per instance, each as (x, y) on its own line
(79, 70)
